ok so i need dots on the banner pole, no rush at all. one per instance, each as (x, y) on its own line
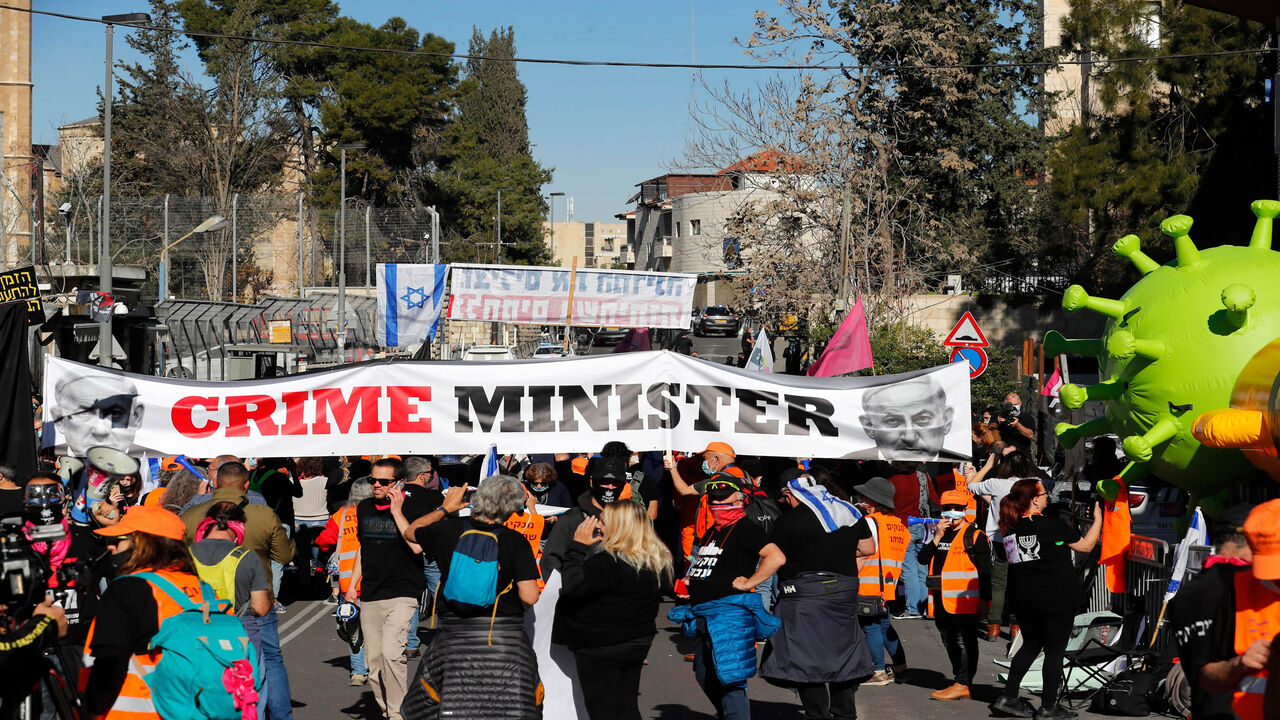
(568, 313)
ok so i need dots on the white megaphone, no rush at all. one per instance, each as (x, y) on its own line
(68, 466)
(101, 464)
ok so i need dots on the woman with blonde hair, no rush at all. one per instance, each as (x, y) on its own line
(614, 573)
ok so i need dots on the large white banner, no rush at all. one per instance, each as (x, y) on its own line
(649, 400)
(540, 296)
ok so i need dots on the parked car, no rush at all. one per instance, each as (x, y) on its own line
(488, 352)
(550, 351)
(716, 319)
(600, 336)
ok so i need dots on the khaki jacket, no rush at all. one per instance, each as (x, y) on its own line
(263, 532)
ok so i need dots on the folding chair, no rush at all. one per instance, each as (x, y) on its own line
(1095, 647)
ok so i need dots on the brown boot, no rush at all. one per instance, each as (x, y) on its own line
(1013, 631)
(993, 633)
(955, 692)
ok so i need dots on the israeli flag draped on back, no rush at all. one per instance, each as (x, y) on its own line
(409, 301)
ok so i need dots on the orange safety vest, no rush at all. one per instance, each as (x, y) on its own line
(347, 547)
(892, 539)
(530, 525)
(960, 594)
(1117, 529)
(1257, 618)
(134, 700)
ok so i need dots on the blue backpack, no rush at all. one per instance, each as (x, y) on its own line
(472, 585)
(210, 669)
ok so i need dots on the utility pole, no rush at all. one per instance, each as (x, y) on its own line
(844, 247)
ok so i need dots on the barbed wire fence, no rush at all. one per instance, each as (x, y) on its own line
(270, 245)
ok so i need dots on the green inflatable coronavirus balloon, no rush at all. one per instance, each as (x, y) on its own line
(1173, 349)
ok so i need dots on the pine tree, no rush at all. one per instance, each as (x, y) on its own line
(488, 148)
(1185, 135)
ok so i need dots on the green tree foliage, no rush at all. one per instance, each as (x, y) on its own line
(173, 135)
(1186, 135)
(488, 148)
(967, 142)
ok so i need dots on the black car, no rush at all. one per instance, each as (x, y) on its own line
(716, 319)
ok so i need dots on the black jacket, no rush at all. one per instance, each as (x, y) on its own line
(562, 533)
(821, 639)
(604, 600)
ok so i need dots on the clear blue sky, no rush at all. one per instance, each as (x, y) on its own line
(602, 129)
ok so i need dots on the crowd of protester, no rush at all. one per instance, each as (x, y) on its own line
(814, 562)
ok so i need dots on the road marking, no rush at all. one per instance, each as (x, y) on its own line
(322, 610)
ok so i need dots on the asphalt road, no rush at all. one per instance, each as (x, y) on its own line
(317, 664)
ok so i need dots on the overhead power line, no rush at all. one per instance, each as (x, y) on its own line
(659, 65)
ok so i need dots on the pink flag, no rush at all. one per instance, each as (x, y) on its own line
(849, 349)
(1052, 385)
(637, 339)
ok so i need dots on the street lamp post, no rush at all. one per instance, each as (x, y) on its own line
(342, 249)
(215, 222)
(105, 346)
(554, 195)
(497, 246)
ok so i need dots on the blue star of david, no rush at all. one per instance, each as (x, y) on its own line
(415, 297)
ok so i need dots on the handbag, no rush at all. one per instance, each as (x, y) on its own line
(872, 607)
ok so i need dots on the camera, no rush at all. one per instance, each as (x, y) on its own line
(1009, 412)
(24, 573)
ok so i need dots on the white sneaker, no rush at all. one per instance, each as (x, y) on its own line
(357, 680)
(879, 678)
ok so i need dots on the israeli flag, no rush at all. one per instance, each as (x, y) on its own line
(1196, 535)
(410, 298)
(761, 354)
(490, 467)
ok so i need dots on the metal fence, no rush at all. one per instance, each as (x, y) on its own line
(271, 245)
(203, 335)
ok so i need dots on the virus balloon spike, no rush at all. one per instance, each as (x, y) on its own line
(1130, 246)
(1075, 298)
(1183, 345)
(1122, 345)
(1138, 448)
(1069, 434)
(1055, 344)
(1074, 396)
(1178, 227)
(1237, 299)
(1266, 211)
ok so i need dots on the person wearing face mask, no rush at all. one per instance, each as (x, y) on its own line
(725, 613)
(695, 519)
(1241, 652)
(544, 485)
(608, 480)
(1044, 592)
(959, 581)
(1015, 428)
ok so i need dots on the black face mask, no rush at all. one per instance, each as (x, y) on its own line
(117, 561)
(605, 495)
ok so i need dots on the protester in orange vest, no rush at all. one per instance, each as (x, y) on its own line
(959, 581)
(340, 536)
(878, 574)
(131, 611)
(695, 517)
(1241, 649)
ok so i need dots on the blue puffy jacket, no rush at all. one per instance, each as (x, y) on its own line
(735, 623)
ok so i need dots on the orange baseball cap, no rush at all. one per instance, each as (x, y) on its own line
(579, 465)
(720, 447)
(170, 463)
(955, 497)
(149, 520)
(1262, 529)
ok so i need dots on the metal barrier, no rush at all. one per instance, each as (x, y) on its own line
(1148, 570)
